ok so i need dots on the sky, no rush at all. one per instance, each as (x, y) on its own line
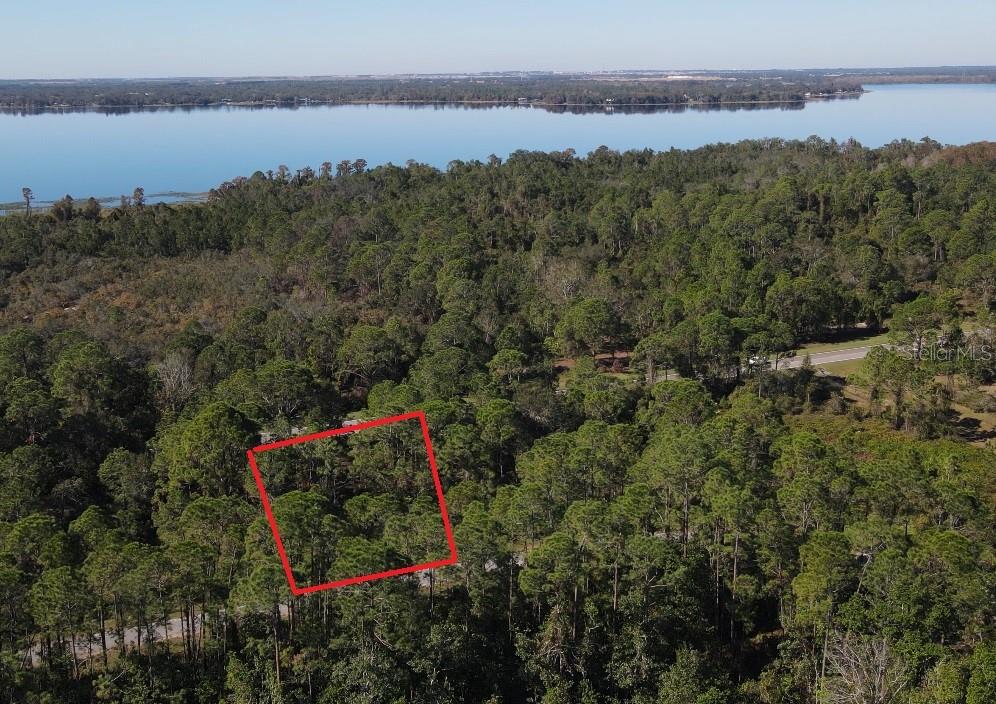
(114, 38)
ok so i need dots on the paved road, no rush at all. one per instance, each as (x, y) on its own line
(84, 649)
(818, 358)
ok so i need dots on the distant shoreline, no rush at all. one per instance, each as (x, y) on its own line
(177, 198)
(427, 101)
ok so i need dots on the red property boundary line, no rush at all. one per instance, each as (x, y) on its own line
(333, 432)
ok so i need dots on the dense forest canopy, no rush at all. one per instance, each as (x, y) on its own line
(696, 527)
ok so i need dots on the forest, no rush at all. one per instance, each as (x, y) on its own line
(695, 526)
(637, 88)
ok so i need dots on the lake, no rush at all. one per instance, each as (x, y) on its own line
(193, 150)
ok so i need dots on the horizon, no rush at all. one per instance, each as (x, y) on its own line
(858, 69)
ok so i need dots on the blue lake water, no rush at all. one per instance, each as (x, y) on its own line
(100, 154)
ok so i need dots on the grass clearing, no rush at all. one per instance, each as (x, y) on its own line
(850, 343)
(842, 369)
(976, 427)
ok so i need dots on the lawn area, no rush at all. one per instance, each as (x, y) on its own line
(841, 369)
(984, 423)
(842, 344)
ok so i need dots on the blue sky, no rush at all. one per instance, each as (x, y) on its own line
(70, 38)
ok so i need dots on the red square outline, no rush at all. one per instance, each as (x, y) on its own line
(332, 432)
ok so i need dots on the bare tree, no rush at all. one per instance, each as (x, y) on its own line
(563, 279)
(28, 196)
(175, 381)
(863, 670)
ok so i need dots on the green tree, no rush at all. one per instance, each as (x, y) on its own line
(30, 409)
(367, 354)
(129, 480)
(586, 326)
(205, 456)
(982, 681)
(915, 326)
(499, 427)
(689, 679)
(58, 605)
(508, 365)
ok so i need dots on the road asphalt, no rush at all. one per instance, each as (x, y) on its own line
(818, 358)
